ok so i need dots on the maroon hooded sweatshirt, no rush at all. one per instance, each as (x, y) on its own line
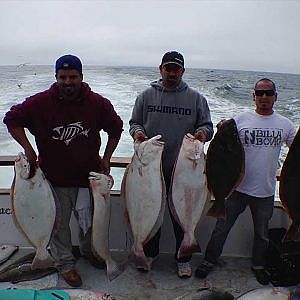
(67, 133)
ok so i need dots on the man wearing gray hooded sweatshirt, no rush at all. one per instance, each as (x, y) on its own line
(170, 108)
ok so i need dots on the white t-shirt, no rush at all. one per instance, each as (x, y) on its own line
(262, 137)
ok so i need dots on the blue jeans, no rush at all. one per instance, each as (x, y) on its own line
(261, 211)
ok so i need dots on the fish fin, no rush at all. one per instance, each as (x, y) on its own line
(113, 269)
(217, 210)
(188, 247)
(9, 255)
(24, 259)
(141, 260)
(42, 260)
(123, 183)
(293, 233)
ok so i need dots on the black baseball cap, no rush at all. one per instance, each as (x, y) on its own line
(173, 57)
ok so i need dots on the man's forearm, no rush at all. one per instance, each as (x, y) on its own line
(110, 147)
(18, 133)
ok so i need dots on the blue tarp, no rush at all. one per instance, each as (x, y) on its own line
(34, 295)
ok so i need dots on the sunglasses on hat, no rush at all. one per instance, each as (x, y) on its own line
(264, 92)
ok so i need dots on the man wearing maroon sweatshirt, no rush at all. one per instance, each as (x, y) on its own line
(66, 120)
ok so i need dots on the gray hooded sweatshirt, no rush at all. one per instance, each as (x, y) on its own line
(171, 113)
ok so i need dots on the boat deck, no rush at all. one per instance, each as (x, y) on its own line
(160, 283)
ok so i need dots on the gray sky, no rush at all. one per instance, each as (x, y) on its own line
(229, 34)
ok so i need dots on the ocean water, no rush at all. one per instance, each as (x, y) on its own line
(228, 92)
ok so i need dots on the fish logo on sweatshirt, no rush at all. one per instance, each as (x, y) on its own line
(68, 132)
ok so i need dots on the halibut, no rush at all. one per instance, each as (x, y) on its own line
(225, 165)
(289, 189)
(34, 210)
(143, 188)
(20, 270)
(267, 293)
(188, 192)
(101, 185)
(6, 251)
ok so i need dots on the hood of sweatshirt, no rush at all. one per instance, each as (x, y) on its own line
(157, 84)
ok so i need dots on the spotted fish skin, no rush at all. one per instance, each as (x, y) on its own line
(225, 165)
(20, 270)
(6, 251)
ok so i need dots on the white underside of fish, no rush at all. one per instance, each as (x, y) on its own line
(34, 213)
(101, 185)
(143, 188)
(80, 294)
(267, 293)
(189, 192)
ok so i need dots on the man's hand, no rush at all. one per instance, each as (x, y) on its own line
(220, 123)
(139, 137)
(32, 159)
(201, 136)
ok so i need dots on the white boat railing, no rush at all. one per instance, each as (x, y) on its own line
(9, 160)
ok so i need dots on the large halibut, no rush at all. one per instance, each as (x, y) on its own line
(289, 188)
(6, 251)
(225, 165)
(188, 193)
(143, 188)
(101, 185)
(20, 270)
(34, 210)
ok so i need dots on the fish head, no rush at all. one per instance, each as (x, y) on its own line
(22, 166)
(148, 150)
(192, 148)
(228, 134)
(101, 183)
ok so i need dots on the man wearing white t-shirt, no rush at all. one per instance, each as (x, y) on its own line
(262, 133)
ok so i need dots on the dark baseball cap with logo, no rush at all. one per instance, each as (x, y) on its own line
(173, 57)
(68, 62)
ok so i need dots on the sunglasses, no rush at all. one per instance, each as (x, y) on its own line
(172, 67)
(264, 92)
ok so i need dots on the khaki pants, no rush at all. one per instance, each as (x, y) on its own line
(60, 243)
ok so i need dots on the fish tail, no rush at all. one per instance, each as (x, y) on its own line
(188, 246)
(42, 260)
(141, 260)
(114, 269)
(293, 233)
(217, 210)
